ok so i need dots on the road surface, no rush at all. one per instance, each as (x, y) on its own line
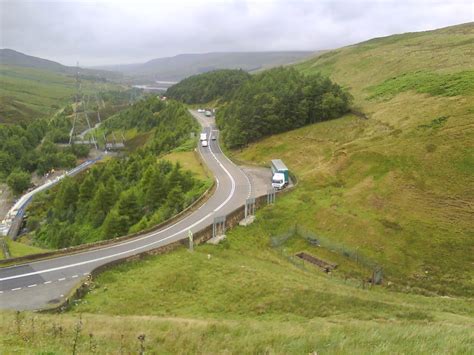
(42, 283)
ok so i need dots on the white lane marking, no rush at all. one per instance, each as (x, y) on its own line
(74, 276)
(47, 282)
(34, 285)
(238, 168)
(85, 274)
(62, 279)
(16, 289)
(130, 251)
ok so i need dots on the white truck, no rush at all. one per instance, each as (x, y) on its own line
(203, 137)
(280, 174)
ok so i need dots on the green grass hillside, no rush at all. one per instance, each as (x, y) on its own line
(28, 93)
(396, 186)
(242, 297)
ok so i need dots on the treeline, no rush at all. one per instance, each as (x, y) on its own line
(203, 88)
(112, 199)
(279, 100)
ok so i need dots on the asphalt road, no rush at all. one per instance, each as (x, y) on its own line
(42, 283)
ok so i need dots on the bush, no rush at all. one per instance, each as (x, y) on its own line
(18, 181)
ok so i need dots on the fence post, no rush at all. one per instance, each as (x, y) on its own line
(271, 196)
(191, 240)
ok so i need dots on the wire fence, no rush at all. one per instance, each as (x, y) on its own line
(277, 241)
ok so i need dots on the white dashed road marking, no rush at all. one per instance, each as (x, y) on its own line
(34, 285)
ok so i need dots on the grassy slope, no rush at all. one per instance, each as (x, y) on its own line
(245, 298)
(27, 93)
(398, 186)
(188, 161)
(20, 249)
(369, 184)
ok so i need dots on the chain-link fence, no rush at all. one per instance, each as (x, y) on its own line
(277, 241)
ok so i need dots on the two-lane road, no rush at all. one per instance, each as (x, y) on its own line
(37, 284)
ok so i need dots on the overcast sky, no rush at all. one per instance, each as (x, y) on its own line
(112, 32)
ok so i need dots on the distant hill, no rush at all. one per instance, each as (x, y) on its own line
(13, 58)
(32, 87)
(184, 65)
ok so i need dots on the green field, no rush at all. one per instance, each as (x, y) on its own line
(189, 161)
(28, 93)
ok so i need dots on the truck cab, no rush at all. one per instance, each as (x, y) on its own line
(280, 174)
(278, 181)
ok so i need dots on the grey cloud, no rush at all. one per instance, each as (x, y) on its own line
(105, 32)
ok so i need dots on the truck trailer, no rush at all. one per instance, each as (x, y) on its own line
(280, 174)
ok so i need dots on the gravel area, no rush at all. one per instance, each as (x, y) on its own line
(261, 179)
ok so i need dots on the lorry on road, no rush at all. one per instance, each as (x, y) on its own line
(208, 113)
(203, 137)
(280, 174)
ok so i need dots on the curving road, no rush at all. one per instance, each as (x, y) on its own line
(38, 284)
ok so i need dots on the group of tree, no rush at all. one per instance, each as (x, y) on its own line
(174, 126)
(169, 121)
(279, 100)
(121, 195)
(203, 88)
(29, 147)
(142, 115)
(112, 199)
